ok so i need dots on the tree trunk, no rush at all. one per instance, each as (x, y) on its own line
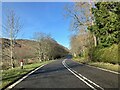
(11, 54)
(95, 40)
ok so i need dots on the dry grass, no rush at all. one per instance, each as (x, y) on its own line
(109, 66)
(113, 67)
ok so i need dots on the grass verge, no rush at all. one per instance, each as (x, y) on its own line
(11, 75)
(108, 66)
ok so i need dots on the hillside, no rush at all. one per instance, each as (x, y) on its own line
(26, 50)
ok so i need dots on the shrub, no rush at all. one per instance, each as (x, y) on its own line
(108, 54)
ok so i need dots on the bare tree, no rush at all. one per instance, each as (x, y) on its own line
(38, 38)
(43, 48)
(81, 16)
(12, 27)
(47, 47)
(79, 43)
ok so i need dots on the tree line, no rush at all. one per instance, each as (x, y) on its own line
(47, 48)
(96, 28)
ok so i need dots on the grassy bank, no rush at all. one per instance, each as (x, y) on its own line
(107, 57)
(113, 67)
(109, 66)
(9, 76)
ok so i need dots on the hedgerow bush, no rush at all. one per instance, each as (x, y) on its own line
(108, 54)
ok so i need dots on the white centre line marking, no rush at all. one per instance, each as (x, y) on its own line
(81, 77)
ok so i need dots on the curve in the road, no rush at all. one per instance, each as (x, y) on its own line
(88, 82)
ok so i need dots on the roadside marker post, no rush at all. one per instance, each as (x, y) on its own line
(21, 64)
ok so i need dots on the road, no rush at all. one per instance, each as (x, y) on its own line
(69, 74)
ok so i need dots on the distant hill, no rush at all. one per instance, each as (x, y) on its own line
(25, 49)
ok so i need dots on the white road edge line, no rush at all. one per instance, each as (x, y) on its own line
(74, 72)
(11, 86)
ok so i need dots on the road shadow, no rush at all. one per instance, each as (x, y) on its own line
(51, 69)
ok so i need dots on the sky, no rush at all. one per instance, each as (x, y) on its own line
(46, 17)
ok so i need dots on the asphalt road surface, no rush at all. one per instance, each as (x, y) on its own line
(69, 74)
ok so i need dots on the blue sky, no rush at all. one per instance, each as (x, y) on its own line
(45, 17)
